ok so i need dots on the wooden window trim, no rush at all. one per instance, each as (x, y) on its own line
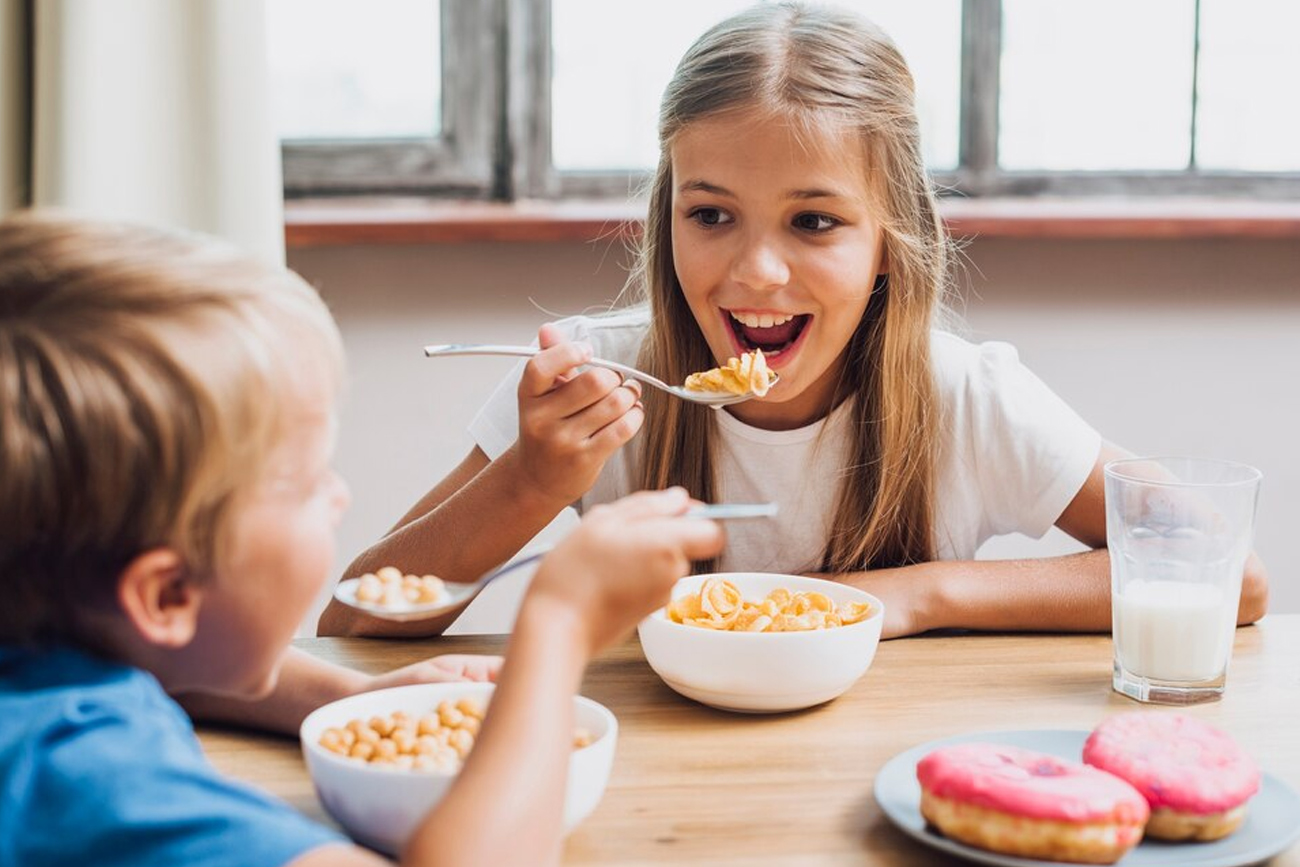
(354, 221)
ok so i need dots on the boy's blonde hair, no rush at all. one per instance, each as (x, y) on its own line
(812, 68)
(144, 378)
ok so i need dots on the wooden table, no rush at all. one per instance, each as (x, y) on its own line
(692, 785)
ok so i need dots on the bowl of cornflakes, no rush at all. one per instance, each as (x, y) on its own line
(758, 642)
(381, 760)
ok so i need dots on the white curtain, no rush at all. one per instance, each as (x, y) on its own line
(14, 132)
(149, 110)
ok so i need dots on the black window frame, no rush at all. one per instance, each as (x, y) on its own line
(496, 141)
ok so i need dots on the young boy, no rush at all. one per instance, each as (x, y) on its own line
(167, 511)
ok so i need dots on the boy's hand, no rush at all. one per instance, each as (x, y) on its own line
(449, 668)
(622, 561)
(570, 422)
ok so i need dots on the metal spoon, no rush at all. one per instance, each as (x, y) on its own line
(708, 398)
(460, 595)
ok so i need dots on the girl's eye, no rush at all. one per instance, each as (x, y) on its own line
(710, 216)
(815, 222)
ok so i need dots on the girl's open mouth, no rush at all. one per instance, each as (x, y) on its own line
(775, 334)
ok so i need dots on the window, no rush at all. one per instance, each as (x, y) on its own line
(506, 99)
(386, 97)
(633, 74)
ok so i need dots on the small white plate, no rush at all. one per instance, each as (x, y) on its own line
(1272, 818)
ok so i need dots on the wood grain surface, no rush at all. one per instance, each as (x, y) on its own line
(693, 785)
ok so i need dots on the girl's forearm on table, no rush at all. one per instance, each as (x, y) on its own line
(1069, 593)
(1054, 594)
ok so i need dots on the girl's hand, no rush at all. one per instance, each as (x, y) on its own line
(571, 422)
(621, 563)
(902, 590)
(449, 668)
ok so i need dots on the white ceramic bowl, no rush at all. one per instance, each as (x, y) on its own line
(380, 807)
(762, 672)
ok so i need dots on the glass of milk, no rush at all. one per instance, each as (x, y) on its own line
(1179, 532)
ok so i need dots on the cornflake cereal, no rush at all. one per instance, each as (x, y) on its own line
(389, 588)
(741, 375)
(719, 605)
(438, 741)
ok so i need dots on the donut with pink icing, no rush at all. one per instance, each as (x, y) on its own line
(1030, 804)
(1195, 777)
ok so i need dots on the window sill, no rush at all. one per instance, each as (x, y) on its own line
(352, 221)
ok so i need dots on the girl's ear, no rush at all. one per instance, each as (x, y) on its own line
(159, 598)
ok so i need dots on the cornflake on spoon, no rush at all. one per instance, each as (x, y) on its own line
(748, 373)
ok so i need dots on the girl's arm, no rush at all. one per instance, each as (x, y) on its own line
(570, 423)
(474, 520)
(1070, 593)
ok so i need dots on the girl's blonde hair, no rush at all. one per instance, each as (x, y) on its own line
(815, 68)
(145, 379)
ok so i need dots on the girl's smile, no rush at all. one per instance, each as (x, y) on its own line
(777, 334)
(776, 247)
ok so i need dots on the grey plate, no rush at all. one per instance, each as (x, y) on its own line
(1272, 820)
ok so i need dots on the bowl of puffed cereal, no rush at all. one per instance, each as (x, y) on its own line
(759, 642)
(381, 760)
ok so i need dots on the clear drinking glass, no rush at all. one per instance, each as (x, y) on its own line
(1179, 532)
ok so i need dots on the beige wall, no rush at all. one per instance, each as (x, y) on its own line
(1166, 347)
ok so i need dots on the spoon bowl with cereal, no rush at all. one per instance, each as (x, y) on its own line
(389, 594)
(742, 378)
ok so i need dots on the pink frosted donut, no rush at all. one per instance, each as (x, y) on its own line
(1033, 805)
(1196, 779)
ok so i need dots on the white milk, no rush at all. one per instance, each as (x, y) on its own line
(1174, 630)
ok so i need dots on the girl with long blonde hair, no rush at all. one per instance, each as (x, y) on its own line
(791, 213)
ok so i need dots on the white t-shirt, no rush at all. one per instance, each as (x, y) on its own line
(1011, 458)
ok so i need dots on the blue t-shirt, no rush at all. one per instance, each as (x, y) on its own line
(99, 766)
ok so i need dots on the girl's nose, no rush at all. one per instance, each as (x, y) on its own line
(760, 264)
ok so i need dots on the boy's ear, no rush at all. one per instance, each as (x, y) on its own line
(159, 598)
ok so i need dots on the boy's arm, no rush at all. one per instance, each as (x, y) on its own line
(511, 779)
(504, 807)
(507, 804)
(306, 682)
(1050, 594)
